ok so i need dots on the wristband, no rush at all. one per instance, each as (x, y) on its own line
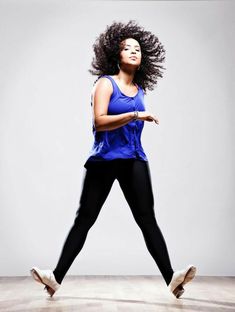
(135, 115)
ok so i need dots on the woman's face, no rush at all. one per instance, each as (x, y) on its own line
(130, 55)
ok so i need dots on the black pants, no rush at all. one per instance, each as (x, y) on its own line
(135, 181)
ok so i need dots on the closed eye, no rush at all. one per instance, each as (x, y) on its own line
(136, 50)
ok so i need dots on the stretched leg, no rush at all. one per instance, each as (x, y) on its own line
(135, 181)
(97, 183)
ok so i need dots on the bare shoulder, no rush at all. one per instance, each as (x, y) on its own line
(103, 85)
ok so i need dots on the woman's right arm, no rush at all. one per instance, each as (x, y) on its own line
(100, 98)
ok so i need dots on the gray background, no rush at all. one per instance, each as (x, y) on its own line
(46, 134)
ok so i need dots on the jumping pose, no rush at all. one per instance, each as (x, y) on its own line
(128, 61)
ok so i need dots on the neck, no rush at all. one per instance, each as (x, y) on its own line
(126, 78)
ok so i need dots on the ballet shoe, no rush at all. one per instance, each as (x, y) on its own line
(47, 278)
(180, 278)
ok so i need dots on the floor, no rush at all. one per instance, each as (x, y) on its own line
(117, 293)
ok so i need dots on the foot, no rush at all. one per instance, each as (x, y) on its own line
(47, 278)
(180, 278)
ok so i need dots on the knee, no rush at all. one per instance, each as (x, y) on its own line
(84, 220)
(146, 220)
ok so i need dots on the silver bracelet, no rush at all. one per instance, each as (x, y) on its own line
(135, 115)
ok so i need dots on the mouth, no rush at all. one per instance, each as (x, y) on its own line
(133, 57)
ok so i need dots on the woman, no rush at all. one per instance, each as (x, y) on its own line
(127, 62)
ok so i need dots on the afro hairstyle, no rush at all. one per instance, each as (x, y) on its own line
(107, 48)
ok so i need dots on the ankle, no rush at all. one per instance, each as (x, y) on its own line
(58, 280)
(169, 278)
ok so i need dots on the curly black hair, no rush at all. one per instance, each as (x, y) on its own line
(107, 48)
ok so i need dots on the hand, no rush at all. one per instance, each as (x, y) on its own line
(147, 117)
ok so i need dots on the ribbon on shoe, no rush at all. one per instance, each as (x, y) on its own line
(181, 277)
(47, 278)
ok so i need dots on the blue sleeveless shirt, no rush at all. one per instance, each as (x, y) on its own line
(123, 142)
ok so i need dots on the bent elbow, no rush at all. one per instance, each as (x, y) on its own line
(97, 125)
(97, 129)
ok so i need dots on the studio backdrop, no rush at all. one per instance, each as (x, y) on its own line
(46, 135)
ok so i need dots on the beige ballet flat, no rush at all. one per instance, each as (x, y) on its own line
(180, 278)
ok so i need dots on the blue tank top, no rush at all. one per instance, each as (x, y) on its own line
(125, 141)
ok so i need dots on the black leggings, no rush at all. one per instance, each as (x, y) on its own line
(134, 179)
